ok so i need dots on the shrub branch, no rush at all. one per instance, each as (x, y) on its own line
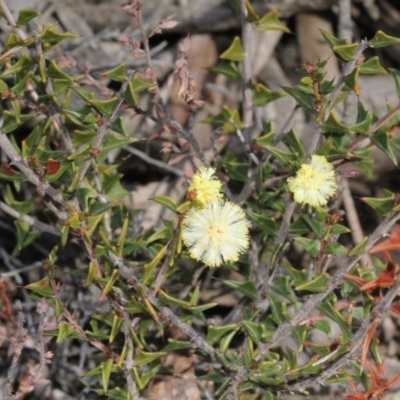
(313, 301)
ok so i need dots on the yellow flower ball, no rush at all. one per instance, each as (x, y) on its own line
(314, 183)
(204, 187)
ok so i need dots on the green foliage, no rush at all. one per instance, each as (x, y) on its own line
(283, 286)
(234, 52)
(270, 21)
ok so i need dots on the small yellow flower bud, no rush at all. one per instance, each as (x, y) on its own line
(204, 187)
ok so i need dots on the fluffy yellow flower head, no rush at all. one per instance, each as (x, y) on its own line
(204, 186)
(314, 183)
(215, 234)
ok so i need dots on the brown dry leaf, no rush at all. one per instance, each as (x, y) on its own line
(202, 55)
(166, 23)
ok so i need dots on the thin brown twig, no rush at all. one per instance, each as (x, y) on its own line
(382, 121)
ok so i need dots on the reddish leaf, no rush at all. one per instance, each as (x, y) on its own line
(367, 341)
(52, 166)
(395, 308)
(379, 384)
(7, 169)
(385, 279)
(393, 242)
(355, 279)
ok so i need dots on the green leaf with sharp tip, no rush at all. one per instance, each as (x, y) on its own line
(263, 95)
(318, 284)
(166, 202)
(117, 74)
(227, 68)
(216, 333)
(271, 22)
(25, 15)
(381, 39)
(234, 51)
(381, 205)
(345, 52)
(372, 66)
(382, 140)
(247, 287)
